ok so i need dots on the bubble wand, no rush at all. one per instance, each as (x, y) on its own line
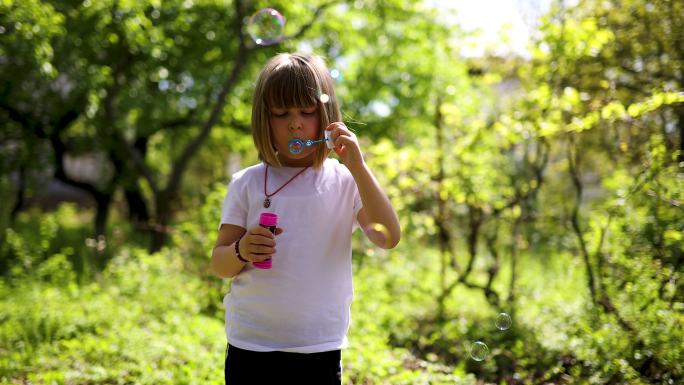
(297, 145)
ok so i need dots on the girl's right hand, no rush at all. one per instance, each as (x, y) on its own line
(258, 244)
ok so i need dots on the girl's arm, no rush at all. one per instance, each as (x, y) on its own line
(377, 209)
(256, 245)
(224, 261)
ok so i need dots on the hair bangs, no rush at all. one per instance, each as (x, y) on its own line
(292, 85)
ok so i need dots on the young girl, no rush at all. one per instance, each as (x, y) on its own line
(289, 323)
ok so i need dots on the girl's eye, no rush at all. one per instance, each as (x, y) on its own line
(278, 114)
(309, 112)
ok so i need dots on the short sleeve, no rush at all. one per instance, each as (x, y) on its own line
(234, 211)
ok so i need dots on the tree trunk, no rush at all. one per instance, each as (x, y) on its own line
(515, 233)
(164, 216)
(573, 162)
(137, 208)
(442, 232)
(680, 124)
(21, 192)
(102, 201)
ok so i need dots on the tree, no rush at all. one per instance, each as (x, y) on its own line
(607, 80)
(147, 84)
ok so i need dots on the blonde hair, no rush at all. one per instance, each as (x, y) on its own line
(292, 81)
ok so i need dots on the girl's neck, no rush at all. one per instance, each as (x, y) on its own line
(289, 162)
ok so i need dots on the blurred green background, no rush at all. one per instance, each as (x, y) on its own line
(546, 183)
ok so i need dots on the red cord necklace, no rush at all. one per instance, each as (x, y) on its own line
(267, 201)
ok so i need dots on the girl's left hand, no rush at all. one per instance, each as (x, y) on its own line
(346, 144)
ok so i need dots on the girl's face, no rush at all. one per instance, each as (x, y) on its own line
(291, 123)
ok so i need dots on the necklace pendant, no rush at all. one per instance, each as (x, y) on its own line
(267, 203)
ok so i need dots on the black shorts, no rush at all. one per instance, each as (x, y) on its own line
(246, 367)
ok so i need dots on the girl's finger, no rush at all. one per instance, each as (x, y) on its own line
(261, 257)
(261, 231)
(260, 249)
(344, 140)
(263, 241)
(337, 128)
(333, 125)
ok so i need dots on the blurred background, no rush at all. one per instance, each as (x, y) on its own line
(534, 151)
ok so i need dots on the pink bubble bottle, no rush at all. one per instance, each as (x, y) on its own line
(269, 221)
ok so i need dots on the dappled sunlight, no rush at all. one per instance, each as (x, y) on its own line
(535, 164)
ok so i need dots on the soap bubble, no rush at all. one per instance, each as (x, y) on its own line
(324, 98)
(503, 321)
(266, 26)
(478, 351)
(379, 234)
(295, 146)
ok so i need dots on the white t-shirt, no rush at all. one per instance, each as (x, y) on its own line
(302, 304)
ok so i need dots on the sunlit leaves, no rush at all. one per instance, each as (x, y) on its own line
(615, 112)
(26, 36)
(658, 100)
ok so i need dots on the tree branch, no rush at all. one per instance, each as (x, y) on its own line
(573, 160)
(316, 15)
(193, 146)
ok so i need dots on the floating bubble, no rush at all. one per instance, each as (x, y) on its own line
(266, 26)
(378, 234)
(503, 321)
(324, 98)
(478, 351)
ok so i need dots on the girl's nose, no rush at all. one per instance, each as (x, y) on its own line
(295, 124)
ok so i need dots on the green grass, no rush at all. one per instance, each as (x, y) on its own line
(140, 322)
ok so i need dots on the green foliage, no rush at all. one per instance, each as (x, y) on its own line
(140, 322)
(35, 237)
(560, 203)
(33, 21)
